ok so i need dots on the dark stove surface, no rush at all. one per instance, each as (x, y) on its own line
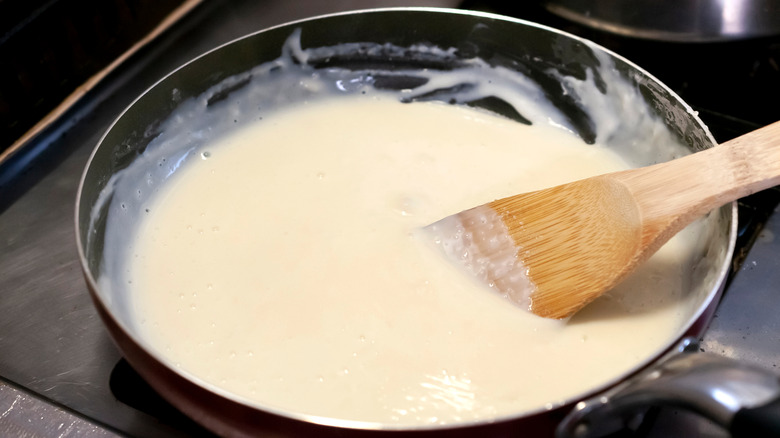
(56, 360)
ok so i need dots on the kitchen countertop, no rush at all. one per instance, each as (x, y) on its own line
(55, 355)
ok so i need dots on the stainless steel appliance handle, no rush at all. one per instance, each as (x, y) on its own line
(741, 397)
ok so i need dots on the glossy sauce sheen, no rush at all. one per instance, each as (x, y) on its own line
(286, 266)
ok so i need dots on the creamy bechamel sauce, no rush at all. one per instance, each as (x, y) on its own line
(286, 266)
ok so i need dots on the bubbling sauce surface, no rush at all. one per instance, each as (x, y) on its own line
(286, 266)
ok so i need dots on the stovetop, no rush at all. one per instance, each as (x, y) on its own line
(61, 375)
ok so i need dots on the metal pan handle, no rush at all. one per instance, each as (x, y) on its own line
(743, 398)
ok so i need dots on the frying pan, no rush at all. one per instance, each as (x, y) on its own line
(386, 43)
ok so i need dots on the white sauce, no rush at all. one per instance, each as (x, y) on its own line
(269, 245)
(287, 268)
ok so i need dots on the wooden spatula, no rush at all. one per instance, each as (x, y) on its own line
(555, 250)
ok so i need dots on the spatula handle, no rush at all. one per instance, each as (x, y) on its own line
(754, 159)
(671, 195)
